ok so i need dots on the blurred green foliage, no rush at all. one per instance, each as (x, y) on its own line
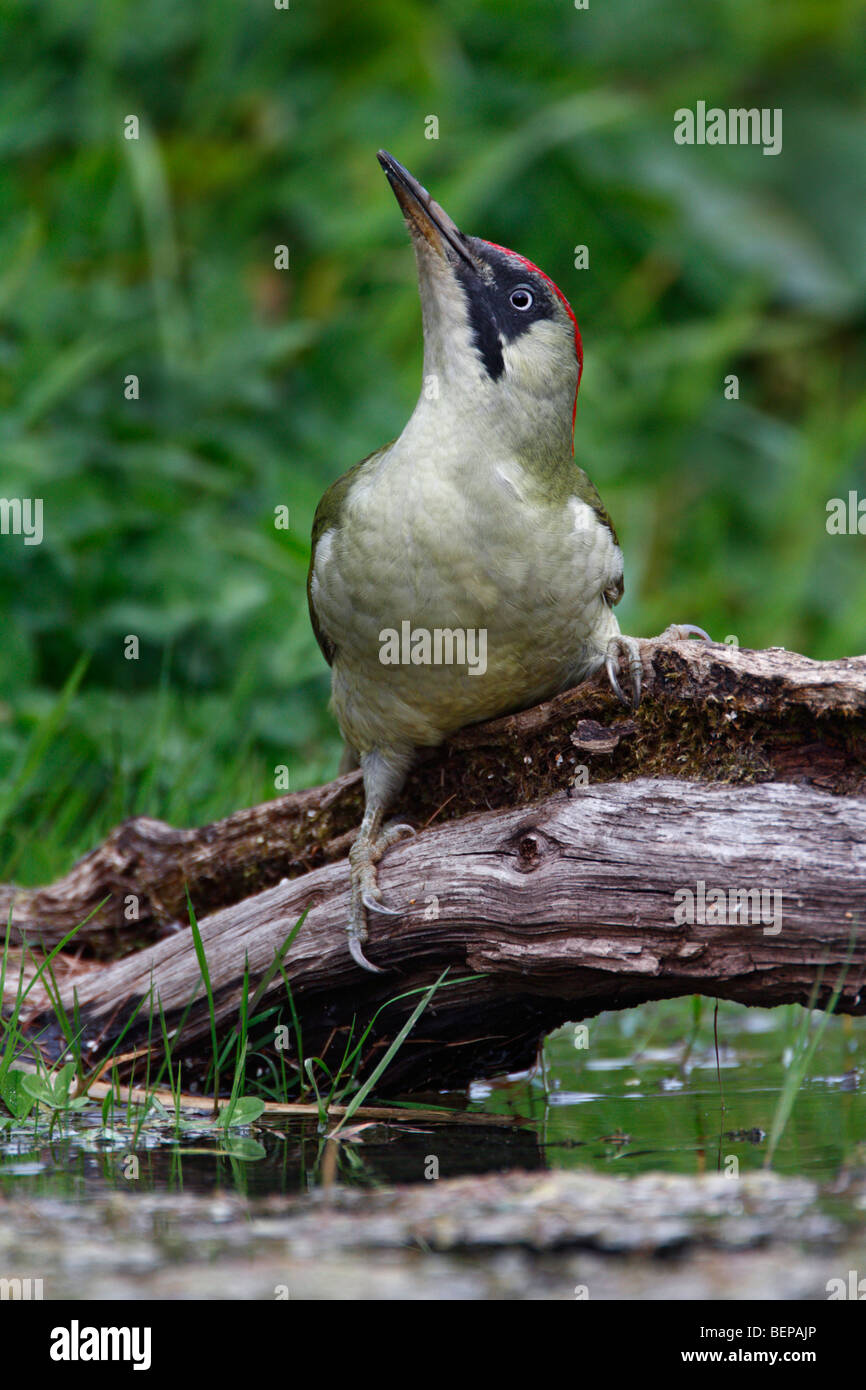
(259, 127)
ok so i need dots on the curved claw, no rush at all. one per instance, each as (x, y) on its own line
(615, 686)
(392, 833)
(629, 646)
(360, 959)
(375, 906)
(684, 630)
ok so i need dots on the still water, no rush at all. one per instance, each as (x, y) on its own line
(641, 1090)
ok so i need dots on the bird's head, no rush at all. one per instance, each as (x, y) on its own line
(499, 338)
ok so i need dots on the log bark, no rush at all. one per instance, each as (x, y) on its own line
(744, 772)
(709, 713)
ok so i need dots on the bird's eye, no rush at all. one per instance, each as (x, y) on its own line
(521, 298)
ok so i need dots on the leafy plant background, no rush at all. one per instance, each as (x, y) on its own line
(258, 387)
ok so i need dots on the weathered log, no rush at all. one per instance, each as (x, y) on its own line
(710, 713)
(544, 914)
(586, 897)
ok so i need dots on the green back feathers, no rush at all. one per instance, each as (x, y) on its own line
(328, 514)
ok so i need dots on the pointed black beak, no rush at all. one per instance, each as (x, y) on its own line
(426, 220)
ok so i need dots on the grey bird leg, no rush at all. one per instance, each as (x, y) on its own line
(628, 646)
(383, 779)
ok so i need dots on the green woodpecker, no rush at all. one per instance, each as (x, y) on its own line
(468, 568)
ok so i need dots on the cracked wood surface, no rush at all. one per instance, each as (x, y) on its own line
(569, 835)
(710, 713)
(544, 914)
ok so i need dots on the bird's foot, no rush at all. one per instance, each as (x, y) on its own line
(628, 646)
(366, 894)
